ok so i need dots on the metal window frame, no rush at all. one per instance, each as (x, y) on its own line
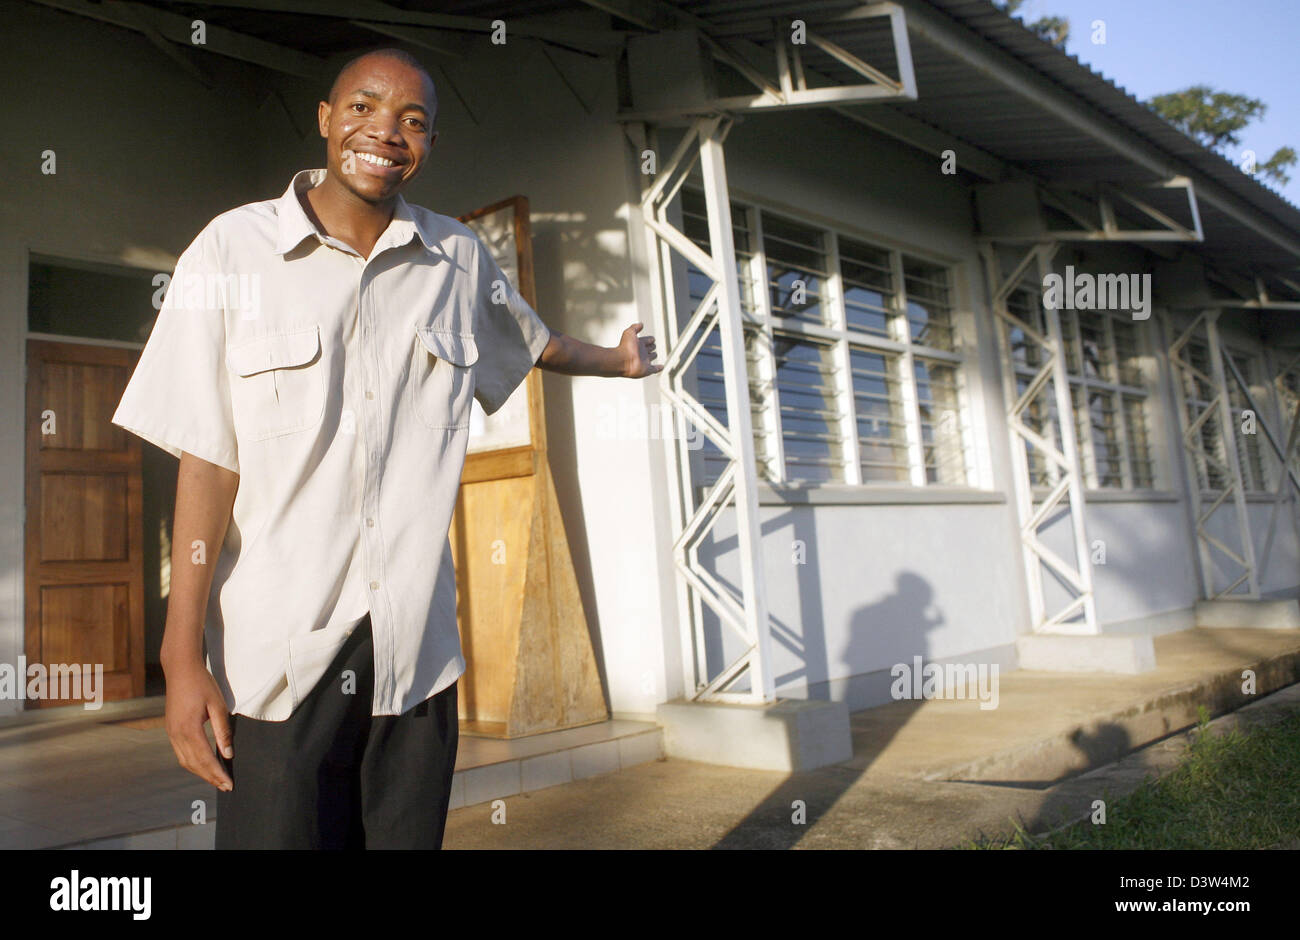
(835, 332)
(767, 378)
(1114, 387)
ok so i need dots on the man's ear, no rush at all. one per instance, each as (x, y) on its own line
(323, 118)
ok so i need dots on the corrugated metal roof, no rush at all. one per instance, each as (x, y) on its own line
(955, 97)
(975, 108)
(1108, 98)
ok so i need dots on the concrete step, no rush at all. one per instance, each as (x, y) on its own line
(487, 769)
(1083, 742)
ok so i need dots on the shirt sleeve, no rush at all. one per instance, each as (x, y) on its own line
(509, 334)
(178, 398)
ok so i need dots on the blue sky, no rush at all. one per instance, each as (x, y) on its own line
(1154, 46)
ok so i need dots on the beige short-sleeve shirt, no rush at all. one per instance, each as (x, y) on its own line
(339, 389)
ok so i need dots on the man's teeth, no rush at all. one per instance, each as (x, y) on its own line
(376, 160)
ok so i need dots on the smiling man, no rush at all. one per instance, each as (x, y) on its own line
(313, 366)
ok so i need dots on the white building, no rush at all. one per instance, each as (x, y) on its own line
(900, 180)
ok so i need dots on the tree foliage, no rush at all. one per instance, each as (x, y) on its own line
(1055, 29)
(1214, 118)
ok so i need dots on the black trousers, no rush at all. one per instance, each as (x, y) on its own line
(331, 776)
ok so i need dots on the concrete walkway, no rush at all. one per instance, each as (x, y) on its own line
(933, 774)
(683, 805)
(924, 774)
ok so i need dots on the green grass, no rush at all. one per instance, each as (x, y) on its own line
(1235, 790)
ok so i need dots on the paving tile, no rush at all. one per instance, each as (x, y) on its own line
(593, 759)
(639, 748)
(491, 782)
(546, 770)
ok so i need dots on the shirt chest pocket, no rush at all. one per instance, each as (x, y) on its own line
(442, 380)
(277, 384)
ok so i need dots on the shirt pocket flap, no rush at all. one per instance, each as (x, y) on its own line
(456, 348)
(277, 351)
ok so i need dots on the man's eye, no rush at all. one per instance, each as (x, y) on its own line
(358, 104)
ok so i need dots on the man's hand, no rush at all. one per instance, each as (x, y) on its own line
(205, 494)
(630, 359)
(638, 353)
(192, 700)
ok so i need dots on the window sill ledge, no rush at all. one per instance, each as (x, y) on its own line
(840, 494)
(1128, 496)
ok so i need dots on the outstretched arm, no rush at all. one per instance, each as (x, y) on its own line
(632, 358)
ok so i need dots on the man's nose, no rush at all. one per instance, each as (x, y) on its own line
(384, 127)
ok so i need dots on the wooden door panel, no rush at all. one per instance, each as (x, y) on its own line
(84, 517)
(82, 398)
(84, 540)
(86, 623)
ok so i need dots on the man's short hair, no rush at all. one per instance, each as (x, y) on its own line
(396, 54)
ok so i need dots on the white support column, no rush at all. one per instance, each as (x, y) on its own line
(736, 381)
(1217, 413)
(1020, 471)
(1193, 460)
(1287, 477)
(742, 614)
(1070, 448)
(1061, 461)
(1230, 447)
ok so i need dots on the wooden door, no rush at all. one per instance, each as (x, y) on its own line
(530, 662)
(84, 594)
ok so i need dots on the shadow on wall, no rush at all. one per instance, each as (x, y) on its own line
(900, 622)
(896, 624)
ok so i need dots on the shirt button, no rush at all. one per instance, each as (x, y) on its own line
(374, 585)
(370, 523)
(370, 394)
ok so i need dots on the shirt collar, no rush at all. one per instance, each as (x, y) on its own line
(295, 225)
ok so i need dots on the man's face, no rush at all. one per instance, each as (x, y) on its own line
(378, 128)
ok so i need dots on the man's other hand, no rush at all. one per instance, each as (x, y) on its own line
(193, 699)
